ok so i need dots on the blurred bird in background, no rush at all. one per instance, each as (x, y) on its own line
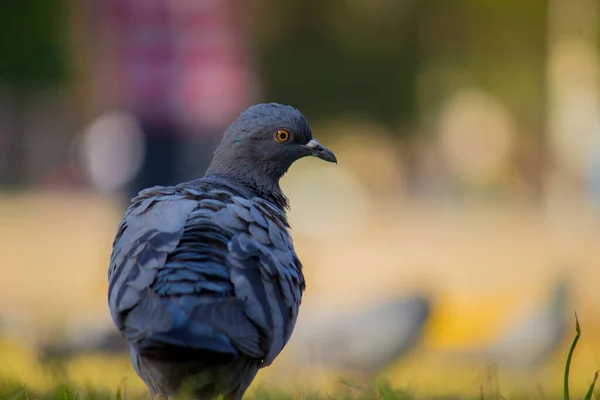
(529, 340)
(593, 175)
(531, 337)
(365, 341)
(83, 342)
(34, 72)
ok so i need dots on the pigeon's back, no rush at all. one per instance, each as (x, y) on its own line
(204, 283)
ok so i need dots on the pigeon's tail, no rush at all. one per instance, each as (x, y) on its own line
(185, 345)
(167, 331)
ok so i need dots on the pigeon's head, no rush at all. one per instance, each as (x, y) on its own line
(263, 142)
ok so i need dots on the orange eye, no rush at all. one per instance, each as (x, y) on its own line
(283, 135)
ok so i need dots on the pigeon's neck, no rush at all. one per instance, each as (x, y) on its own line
(260, 185)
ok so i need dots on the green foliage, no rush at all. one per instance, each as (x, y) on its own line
(34, 42)
(393, 60)
(335, 58)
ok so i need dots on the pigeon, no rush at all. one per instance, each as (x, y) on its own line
(530, 337)
(529, 341)
(366, 341)
(204, 281)
(88, 341)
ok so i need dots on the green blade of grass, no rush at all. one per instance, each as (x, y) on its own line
(590, 392)
(567, 396)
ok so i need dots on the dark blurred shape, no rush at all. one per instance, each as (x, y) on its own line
(366, 341)
(33, 43)
(107, 342)
(342, 58)
(183, 69)
(33, 59)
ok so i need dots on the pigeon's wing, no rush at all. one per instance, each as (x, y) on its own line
(265, 271)
(151, 229)
(221, 276)
(169, 289)
(234, 271)
(194, 287)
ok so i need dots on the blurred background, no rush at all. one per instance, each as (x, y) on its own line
(453, 242)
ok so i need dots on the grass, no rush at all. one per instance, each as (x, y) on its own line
(380, 391)
(590, 392)
(346, 390)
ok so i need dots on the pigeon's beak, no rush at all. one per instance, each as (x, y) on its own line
(320, 151)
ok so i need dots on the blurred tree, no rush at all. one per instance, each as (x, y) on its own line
(33, 42)
(358, 56)
(499, 46)
(33, 45)
(340, 57)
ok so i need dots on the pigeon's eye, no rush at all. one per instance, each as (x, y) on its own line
(283, 135)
